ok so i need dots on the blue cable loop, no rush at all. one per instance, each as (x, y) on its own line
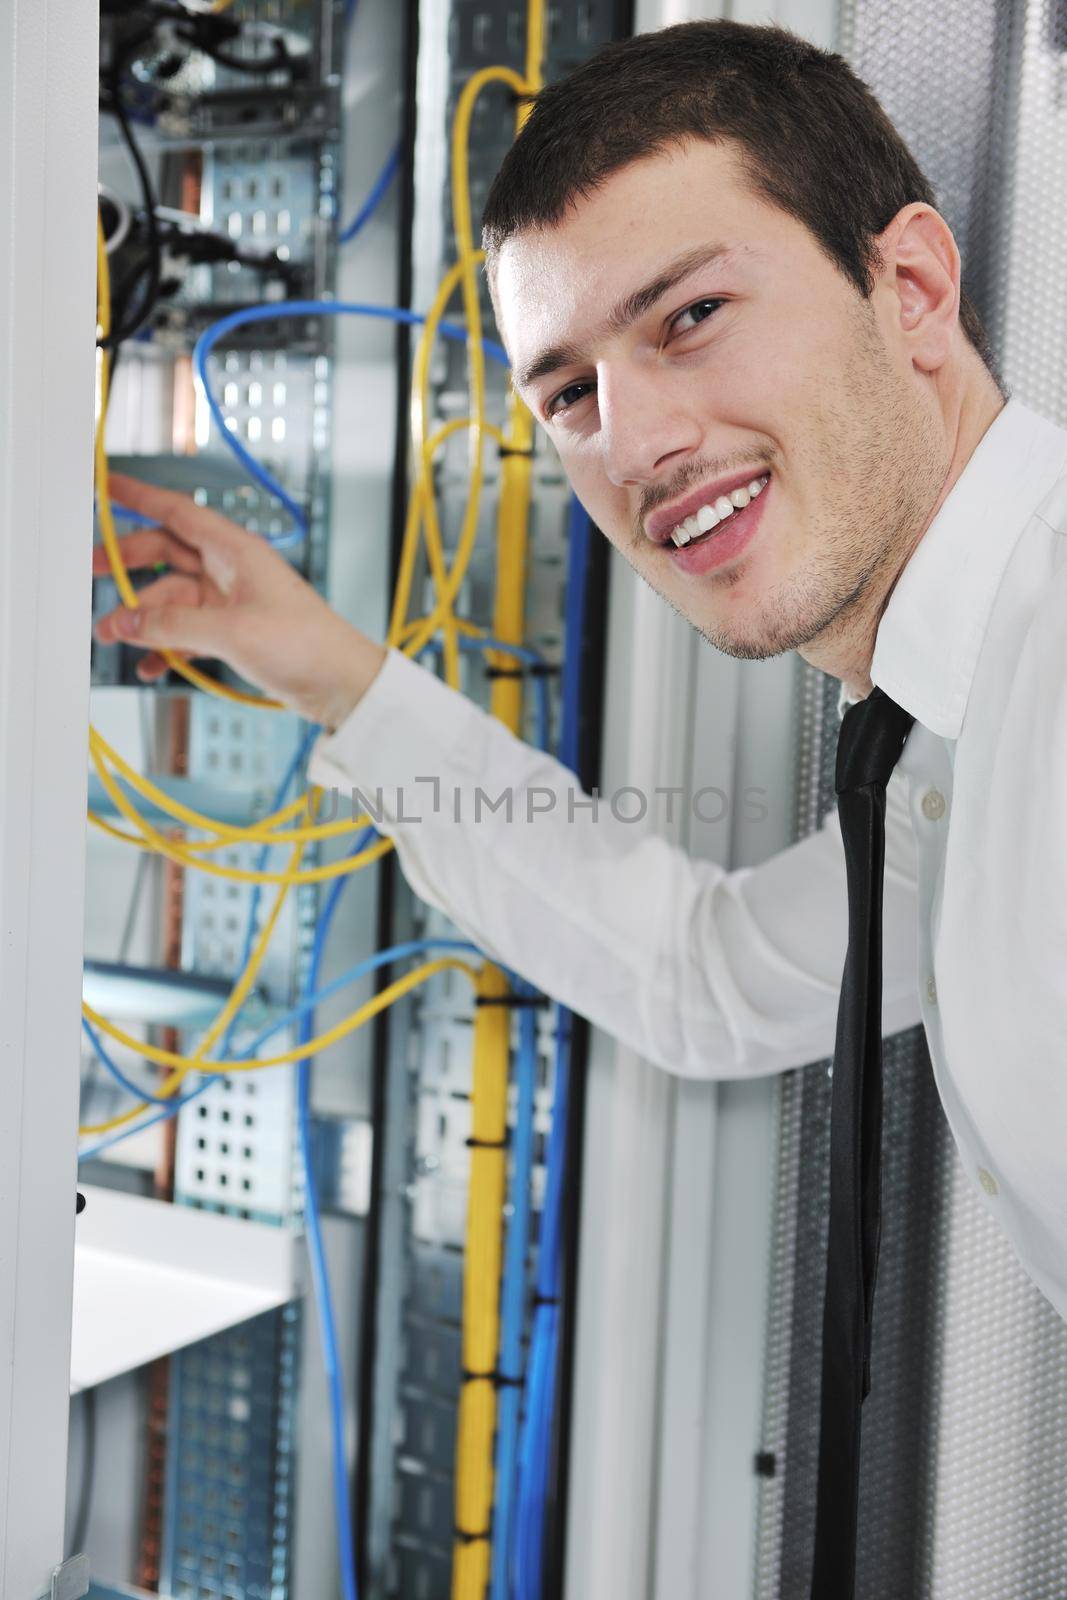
(374, 198)
(331, 1355)
(380, 958)
(106, 1060)
(299, 308)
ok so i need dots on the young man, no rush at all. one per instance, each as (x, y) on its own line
(730, 301)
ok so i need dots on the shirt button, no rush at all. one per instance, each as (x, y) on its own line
(931, 991)
(987, 1180)
(933, 804)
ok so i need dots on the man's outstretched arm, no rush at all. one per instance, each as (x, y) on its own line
(706, 972)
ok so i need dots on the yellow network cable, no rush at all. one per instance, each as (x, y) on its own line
(103, 499)
(225, 833)
(483, 1256)
(183, 1065)
(481, 1285)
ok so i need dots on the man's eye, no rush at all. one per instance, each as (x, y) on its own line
(568, 397)
(700, 310)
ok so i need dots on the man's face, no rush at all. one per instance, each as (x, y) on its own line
(664, 377)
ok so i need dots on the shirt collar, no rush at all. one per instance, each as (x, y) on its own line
(931, 632)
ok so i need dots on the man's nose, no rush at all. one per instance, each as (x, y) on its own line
(644, 427)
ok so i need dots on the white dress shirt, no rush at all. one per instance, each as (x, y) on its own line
(722, 974)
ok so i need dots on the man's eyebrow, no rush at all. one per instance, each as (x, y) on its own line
(628, 310)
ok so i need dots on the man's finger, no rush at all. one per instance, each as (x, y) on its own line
(195, 524)
(150, 668)
(195, 629)
(174, 589)
(145, 549)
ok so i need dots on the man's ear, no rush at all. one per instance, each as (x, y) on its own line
(920, 276)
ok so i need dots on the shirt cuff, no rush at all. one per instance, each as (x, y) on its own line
(404, 724)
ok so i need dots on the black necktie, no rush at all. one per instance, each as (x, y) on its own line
(872, 736)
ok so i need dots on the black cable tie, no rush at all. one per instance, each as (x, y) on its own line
(535, 669)
(513, 450)
(545, 1300)
(487, 1144)
(499, 1380)
(468, 1538)
(516, 1000)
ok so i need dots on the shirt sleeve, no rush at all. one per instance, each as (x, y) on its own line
(706, 972)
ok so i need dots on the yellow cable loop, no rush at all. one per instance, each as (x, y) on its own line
(186, 858)
(225, 833)
(236, 1000)
(463, 274)
(103, 500)
(186, 1064)
(516, 472)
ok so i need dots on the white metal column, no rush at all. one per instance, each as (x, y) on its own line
(48, 83)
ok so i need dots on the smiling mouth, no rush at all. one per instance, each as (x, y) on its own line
(714, 516)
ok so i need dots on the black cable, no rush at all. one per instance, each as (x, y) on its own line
(590, 724)
(280, 61)
(129, 325)
(388, 877)
(80, 1530)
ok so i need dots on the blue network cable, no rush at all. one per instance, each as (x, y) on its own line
(380, 958)
(536, 1438)
(331, 1355)
(374, 198)
(299, 308)
(513, 1300)
(107, 1062)
(521, 653)
(525, 1556)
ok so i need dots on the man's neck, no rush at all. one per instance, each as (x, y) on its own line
(848, 656)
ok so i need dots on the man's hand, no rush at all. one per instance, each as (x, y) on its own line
(228, 595)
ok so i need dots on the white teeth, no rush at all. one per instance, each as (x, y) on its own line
(709, 516)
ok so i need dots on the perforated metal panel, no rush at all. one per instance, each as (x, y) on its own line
(230, 1462)
(964, 1464)
(230, 1465)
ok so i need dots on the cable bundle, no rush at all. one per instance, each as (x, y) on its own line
(293, 825)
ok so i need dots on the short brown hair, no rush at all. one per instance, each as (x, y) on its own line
(813, 139)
